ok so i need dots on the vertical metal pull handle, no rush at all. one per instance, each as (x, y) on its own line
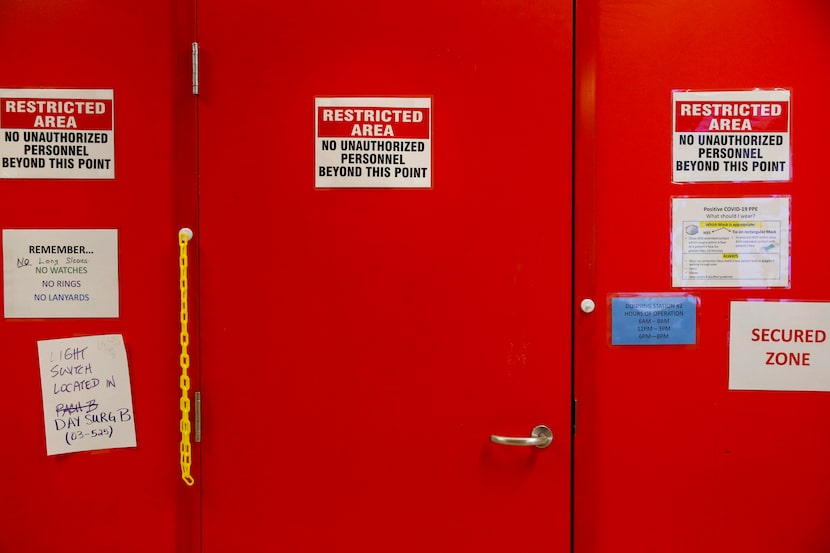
(541, 437)
(197, 417)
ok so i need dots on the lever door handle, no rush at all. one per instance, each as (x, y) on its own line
(541, 437)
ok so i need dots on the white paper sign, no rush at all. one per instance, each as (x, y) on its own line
(60, 273)
(779, 346)
(87, 403)
(373, 142)
(732, 136)
(731, 242)
(50, 133)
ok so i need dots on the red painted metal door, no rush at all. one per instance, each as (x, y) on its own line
(667, 457)
(360, 346)
(128, 499)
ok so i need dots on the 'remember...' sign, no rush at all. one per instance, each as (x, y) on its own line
(731, 136)
(60, 273)
(373, 143)
(56, 134)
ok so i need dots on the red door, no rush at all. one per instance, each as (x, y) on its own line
(360, 344)
(129, 499)
(668, 458)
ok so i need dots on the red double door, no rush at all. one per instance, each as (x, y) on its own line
(356, 347)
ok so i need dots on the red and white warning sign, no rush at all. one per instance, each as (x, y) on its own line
(779, 345)
(732, 136)
(56, 134)
(373, 142)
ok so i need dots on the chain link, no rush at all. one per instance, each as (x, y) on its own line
(184, 361)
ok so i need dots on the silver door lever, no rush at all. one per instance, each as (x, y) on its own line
(541, 436)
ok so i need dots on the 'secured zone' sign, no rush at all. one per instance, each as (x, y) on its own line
(779, 346)
(731, 136)
(56, 134)
(373, 143)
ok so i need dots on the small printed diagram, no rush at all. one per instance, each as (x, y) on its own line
(732, 248)
(747, 237)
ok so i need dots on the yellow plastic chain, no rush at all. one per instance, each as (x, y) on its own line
(184, 359)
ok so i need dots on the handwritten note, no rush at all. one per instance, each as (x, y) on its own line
(87, 402)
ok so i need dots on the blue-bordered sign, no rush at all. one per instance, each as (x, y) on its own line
(653, 320)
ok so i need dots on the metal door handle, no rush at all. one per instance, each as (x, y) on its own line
(541, 436)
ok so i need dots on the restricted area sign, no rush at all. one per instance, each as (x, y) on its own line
(373, 143)
(56, 134)
(779, 346)
(731, 136)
